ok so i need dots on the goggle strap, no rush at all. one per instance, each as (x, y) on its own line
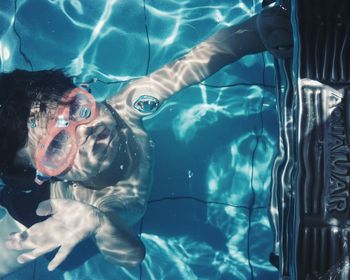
(41, 178)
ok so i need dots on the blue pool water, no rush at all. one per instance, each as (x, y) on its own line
(214, 143)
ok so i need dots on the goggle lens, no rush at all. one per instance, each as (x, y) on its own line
(58, 150)
(80, 108)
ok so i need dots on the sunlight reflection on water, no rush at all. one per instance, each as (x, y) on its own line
(107, 40)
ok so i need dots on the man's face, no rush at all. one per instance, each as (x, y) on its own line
(96, 141)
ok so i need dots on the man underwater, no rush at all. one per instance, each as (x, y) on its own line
(95, 158)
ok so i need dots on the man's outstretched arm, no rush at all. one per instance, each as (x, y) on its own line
(222, 48)
(269, 30)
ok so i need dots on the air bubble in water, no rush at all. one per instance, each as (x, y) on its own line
(152, 143)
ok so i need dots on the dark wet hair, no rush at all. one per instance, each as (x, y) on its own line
(18, 90)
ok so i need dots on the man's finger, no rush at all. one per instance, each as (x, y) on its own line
(45, 208)
(61, 255)
(19, 241)
(26, 257)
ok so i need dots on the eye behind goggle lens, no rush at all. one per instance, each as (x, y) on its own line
(80, 108)
(58, 150)
(85, 113)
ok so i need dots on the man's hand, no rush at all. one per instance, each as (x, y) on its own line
(70, 223)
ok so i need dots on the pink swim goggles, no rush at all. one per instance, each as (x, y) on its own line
(57, 150)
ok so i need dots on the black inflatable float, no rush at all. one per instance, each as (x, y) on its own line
(310, 207)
